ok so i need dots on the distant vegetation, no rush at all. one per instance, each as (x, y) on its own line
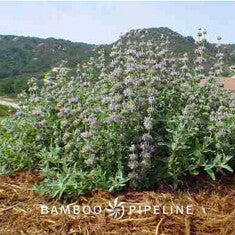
(24, 57)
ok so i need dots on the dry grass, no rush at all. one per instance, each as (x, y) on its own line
(214, 211)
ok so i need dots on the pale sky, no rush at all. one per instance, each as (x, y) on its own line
(103, 22)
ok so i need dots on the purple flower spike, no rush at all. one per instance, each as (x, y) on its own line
(86, 134)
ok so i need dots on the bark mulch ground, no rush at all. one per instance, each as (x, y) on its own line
(213, 210)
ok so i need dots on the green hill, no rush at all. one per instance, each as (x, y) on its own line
(24, 57)
(179, 44)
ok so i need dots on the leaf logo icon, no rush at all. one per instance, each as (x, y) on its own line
(116, 210)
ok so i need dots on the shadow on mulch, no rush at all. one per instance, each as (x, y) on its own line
(213, 210)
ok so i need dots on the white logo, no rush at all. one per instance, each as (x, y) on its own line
(116, 210)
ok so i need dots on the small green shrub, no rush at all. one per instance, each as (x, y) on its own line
(133, 120)
(4, 111)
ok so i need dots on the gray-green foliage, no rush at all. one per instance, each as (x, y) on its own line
(133, 121)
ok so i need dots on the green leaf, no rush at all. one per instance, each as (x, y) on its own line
(228, 168)
(194, 172)
(210, 173)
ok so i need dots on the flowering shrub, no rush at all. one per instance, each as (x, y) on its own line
(133, 119)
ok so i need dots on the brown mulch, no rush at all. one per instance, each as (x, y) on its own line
(213, 210)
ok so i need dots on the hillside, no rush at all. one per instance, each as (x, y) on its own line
(179, 44)
(229, 50)
(24, 57)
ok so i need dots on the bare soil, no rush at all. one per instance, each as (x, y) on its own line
(229, 83)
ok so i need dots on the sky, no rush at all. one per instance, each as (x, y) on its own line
(103, 22)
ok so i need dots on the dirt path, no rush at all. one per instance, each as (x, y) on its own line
(8, 102)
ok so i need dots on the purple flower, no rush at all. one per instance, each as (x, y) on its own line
(147, 137)
(112, 107)
(106, 100)
(115, 118)
(221, 84)
(88, 149)
(174, 73)
(136, 81)
(92, 121)
(153, 150)
(91, 161)
(40, 124)
(151, 100)
(158, 65)
(142, 67)
(73, 100)
(133, 165)
(86, 134)
(36, 100)
(65, 112)
(86, 84)
(145, 154)
(138, 54)
(114, 74)
(39, 112)
(16, 115)
(144, 146)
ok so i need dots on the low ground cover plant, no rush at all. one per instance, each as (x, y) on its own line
(4, 110)
(134, 119)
